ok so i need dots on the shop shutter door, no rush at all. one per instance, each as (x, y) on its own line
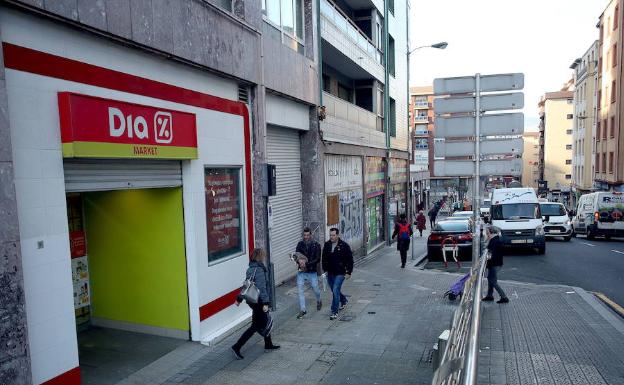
(283, 151)
(99, 175)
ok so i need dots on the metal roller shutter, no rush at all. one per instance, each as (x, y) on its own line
(113, 174)
(283, 151)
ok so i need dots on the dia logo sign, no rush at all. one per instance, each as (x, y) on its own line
(137, 126)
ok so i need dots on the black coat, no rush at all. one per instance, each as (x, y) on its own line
(339, 261)
(312, 250)
(495, 246)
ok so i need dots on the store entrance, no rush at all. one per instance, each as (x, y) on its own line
(129, 276)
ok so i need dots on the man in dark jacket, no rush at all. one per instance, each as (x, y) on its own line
(338, 263)
(494, 264)
(403, 229)
(308, 269)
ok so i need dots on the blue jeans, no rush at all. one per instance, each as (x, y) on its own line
(313, 279)
(335, 282)
(493, 282)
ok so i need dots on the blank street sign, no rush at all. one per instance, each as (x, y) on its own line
(495, 124)
(466, 84)
(488, 167)
(488, 147)
(496, 102)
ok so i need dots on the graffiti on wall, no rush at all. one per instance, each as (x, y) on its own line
(351, 224)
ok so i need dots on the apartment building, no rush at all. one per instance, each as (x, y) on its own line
(530, 159)
(422, 126)
(585, 120)
(556, 111)
(609, 162)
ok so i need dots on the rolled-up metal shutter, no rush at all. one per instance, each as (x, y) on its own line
(284, 152)
(113, 174)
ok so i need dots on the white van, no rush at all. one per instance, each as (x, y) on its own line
(600, 214)
(484, 209)
(516, 212)
(556, 220)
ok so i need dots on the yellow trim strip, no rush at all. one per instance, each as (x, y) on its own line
(609, 302)
(122, 150)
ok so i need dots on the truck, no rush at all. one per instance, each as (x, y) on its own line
(599, 214)
(516, 213)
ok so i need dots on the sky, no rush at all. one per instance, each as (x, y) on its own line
(540, 38)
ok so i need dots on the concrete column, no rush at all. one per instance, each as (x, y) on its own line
(313, 178)
(259, 134)
(14, 356)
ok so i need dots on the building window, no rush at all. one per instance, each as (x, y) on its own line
(569, 132)
(605, 128)
(614, 56)
(391, 6)
(570, 101)
(225, 4)
(391, 58)
(287, 17)
(568, 176)
(604, 162)
(598, 130)
(569, 116)
(612, 131)
(392, 118)
(224, 221)
(568, 146)
(611, 162)
(616, 17)
(599, 98)
(421, 129)
(613, 91)
(568, 161)
(421, 144)
(597, 163)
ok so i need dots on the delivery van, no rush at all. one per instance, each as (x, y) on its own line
(556, 220)
(600, 214)
(516, 212)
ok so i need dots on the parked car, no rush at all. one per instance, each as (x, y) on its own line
(556, 220)
(462, 215)
(459, 230)
(600, 214)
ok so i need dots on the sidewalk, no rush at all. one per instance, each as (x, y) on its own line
(546, 335)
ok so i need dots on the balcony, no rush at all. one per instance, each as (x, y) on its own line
(418, 104)
(346, 47)
(348, 123)
(420, 119)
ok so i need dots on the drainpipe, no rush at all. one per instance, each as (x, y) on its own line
(410, 143)
(386, 120)
(319, 44)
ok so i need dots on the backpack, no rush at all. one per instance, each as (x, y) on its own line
(404, 231)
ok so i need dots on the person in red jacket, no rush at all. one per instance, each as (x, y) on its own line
(403, 229)
(421, 222)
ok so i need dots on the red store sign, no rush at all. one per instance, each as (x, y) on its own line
(93, 127)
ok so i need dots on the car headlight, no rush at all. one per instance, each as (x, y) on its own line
(568, 222)
(539, 230)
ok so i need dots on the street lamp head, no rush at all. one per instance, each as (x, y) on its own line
(441, 45)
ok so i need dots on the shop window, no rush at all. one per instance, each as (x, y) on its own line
(222, 188)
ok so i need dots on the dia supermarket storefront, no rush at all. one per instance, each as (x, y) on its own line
(133, 199)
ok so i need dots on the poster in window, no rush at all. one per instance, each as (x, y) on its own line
(223, 212)
(80, 278)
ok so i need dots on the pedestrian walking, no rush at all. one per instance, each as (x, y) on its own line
(403, 230)
(421, 222)
(309, 256)
(494, 265)
(338, 264)
(258, 273)
(433, 213)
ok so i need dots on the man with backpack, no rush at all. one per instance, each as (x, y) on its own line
(403, 230)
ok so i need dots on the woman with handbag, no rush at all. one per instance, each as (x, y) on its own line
(255, 292)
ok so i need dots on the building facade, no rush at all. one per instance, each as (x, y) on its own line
(609, 162)
(530, 159)
(556, 111)
(144, 130)
(585, 120)
(422, 126)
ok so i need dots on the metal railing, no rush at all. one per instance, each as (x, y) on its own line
(458, 365)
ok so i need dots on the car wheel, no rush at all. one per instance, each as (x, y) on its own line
(607, 237)
(573, 235)
(567, 239)
(541, 250)
(590, 234)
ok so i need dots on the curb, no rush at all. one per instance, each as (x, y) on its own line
(418, 260)
(610, 303)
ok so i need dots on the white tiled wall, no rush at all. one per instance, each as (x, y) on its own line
(397, 27)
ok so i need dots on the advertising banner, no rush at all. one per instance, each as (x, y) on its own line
(93, 127)
(223, 212)
(374, 176)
